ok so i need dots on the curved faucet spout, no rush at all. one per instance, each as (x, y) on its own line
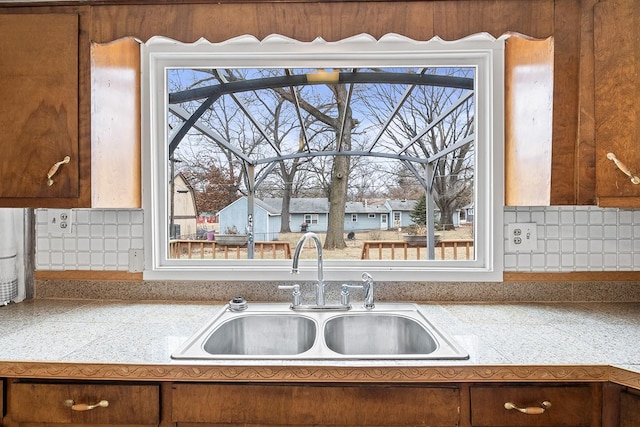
(320, 289)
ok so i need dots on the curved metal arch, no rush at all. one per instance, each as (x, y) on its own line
(211, 93)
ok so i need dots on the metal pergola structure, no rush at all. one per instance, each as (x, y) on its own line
(208, 95)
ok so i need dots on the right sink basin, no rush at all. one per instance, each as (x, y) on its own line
(373, 334)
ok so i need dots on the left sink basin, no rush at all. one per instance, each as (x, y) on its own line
(262, 335)
(270, 331)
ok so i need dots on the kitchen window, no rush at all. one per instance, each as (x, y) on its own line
(207, 95)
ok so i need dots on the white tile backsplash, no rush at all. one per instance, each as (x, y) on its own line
(570, 238)
(100, 240)
(578, 238)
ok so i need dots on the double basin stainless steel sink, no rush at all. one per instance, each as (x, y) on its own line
(274, 331)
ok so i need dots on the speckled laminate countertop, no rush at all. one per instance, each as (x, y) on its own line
(509, 342)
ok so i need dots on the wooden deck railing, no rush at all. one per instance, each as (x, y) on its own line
(398, 249)
(208, 249)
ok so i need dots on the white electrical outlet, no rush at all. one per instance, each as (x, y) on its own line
(59, 221)
(522, 237)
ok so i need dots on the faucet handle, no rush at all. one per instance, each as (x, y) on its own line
(296, 295)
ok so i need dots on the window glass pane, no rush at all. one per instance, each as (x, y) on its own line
(364, 139)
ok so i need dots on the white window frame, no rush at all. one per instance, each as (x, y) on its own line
(371, 216)
(481, 51)
(354, 217)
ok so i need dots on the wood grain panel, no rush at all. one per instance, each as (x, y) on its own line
(629, 410)
(586, 148)
(330, 405)
(219, 22)
(566, 87)
(528, 121)
(456, 19)
(115, 125)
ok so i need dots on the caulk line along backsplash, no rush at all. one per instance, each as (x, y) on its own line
(572, 238)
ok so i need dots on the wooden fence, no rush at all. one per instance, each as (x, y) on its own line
(208, 249)
(398, 249)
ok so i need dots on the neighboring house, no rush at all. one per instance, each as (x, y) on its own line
(185, 215)
(266, 219)
(314, 212)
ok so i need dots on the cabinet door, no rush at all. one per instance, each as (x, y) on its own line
(39, 108)
(629, 410)
(617, 110)
(37, 402)
(326, 405)
(569, 406)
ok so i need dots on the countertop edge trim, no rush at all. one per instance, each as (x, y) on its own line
(370, 374)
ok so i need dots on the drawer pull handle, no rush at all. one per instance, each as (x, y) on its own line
(85, 406)
(531, 410)
(54, 169)
(623, 168)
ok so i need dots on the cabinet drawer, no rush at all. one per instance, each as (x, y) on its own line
(570, 406)
(629, 410)
(47, 402)
(330, 405)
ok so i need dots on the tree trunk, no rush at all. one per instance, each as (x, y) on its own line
(286, 201)
(337, 203)
(446, 218)
(339, 173)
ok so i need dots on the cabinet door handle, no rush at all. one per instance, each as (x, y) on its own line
(54, 169)
(623, 168)
(85, 406)
(530, 410)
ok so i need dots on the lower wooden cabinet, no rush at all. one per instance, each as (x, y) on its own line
(629, 409)
(40, 403)
(534, 406)
(31, 402)
(315, 404)
(1, 401)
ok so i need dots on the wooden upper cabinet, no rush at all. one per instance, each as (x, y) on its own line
(39, 108)
(617, 112)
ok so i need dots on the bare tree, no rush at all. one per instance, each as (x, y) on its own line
(342, 124)
(453, 174)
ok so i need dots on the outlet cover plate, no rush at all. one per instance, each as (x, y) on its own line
(522, 237)
(136, 260)
(59, 222)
